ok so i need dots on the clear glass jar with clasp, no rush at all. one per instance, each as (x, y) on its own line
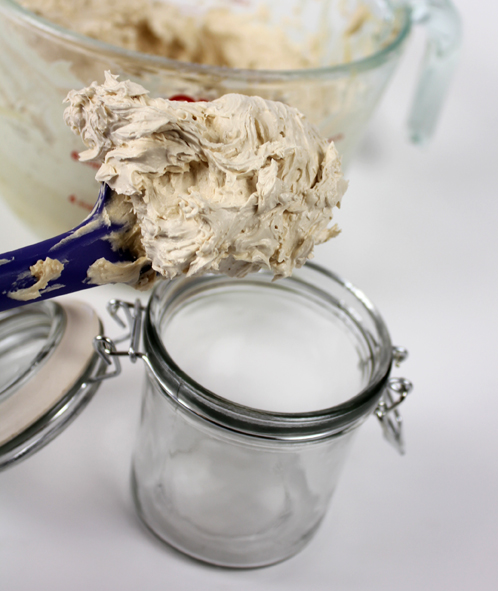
(254, 391)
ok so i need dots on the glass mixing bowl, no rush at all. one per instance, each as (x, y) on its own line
(360, 44)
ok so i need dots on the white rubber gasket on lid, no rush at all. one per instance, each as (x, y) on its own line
(56, 377)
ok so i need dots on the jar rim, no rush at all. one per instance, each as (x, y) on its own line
(207, 405)
(61, 381)
(48, 314)
(401, 31)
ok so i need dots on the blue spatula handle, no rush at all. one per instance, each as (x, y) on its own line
(76, 250)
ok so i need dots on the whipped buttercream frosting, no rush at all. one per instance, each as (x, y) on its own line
(215, 36)
(228, 186)
(44, 271)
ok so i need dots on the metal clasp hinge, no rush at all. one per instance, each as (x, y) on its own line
(387, 409)
(106, 347)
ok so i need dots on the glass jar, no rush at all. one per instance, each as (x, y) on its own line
(362, 41)
(254, 390)
(240, 473)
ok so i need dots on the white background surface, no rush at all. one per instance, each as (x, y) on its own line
(420, 238)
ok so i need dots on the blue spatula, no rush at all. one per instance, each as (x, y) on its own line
(77, 250)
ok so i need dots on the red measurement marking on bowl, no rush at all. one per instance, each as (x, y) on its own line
(79, 202)
(336, 138)
(187, 98)
(75, 156)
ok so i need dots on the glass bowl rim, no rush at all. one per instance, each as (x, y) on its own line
(367, 63)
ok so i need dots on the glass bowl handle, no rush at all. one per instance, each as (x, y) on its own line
(442, 23)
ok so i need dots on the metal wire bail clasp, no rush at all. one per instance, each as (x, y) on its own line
(106, 347)
(387, 412)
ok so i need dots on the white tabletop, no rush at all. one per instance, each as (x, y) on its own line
(420, 238)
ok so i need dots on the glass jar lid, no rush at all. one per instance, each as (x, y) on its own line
(47, 373)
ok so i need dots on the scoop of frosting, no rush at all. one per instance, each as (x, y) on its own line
(228, 186)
